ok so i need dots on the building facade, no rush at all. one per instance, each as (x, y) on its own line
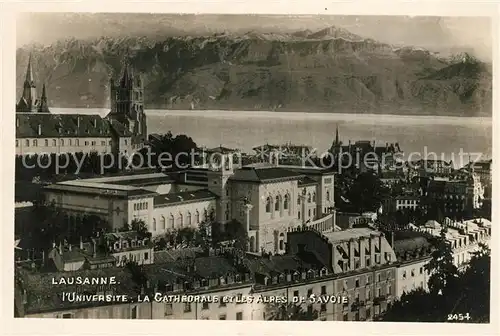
(123, 130)
(266, 199)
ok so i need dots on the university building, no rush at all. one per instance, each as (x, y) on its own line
(123, 130)
(266, 198)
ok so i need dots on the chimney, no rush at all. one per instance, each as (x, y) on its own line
(81, 243)
(39, 129)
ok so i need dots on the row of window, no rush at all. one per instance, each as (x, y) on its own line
(308, 213)
(278, 203)
(188, 307)
(62, 142)
(180, 220)
(412, 272)
(141, 206)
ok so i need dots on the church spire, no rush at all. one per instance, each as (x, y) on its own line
(127, 71)
(28, 81)
(337, 134)
(44, 106)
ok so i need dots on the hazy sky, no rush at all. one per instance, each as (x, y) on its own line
(434, 33)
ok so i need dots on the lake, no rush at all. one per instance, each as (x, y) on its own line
(446, 136)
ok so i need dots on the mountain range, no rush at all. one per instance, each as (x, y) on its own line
(330, 70)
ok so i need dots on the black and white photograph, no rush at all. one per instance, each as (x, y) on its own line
(253, 167)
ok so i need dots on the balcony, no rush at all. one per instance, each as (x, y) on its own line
(322, 224)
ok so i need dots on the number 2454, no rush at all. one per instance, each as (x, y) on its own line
(459, 317)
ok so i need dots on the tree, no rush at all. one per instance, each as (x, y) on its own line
(366, 192)
(468, 293)
(443, 273)
(140, 227)
(289, 312)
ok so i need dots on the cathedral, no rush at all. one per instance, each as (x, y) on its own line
(122, 131)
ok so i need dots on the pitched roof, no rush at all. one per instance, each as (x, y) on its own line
(43, 125)
(264, 174)
(305, 181)
(186, 196)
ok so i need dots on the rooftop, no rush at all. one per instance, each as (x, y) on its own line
(195, 195)
(354, 233)
(261, 174)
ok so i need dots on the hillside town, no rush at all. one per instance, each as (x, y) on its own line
(229, 224)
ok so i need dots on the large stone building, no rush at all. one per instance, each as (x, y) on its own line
(123, 130)
(456, 195)
(265, 198)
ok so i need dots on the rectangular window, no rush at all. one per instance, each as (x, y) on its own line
(323, 307)
(146, 255)
(62, 142)
(54, 142)
(296, 293)
(103, 143)
(323, 290)
(86, 143)
(239, 316)
(46, 143)
(187, 307)
(35, 143)
(205, 306)
(17, 143)
(346, 317)
(357, 283)
(93, 143)
(67, 315)
(222, 317)
(27, 143)
(222, 304)
(309, 292)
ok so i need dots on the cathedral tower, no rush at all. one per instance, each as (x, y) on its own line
(28, 101)
(127, 103)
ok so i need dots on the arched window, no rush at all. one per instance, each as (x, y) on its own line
(285, 202)
(188, 218)
(171, 222)
(314, 197)
(268, 204)
(277, 204)
(298, 200)
(309, 198)
(162, 223)
(180, 220)
(197, 217)
(282, 241)
(46, 142)
(327, 195)
(154, 224)
(227, 214)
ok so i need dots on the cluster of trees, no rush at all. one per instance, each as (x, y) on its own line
(451, 292)
(47, 224)
(169, 152)
(363, 192)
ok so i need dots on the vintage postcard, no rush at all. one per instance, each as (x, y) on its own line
(253, 167)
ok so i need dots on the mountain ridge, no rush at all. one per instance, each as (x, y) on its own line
(328, 72)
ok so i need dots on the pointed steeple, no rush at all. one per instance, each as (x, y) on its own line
(337, 134)
(126, 79)
(44, 106)
(28, 81)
